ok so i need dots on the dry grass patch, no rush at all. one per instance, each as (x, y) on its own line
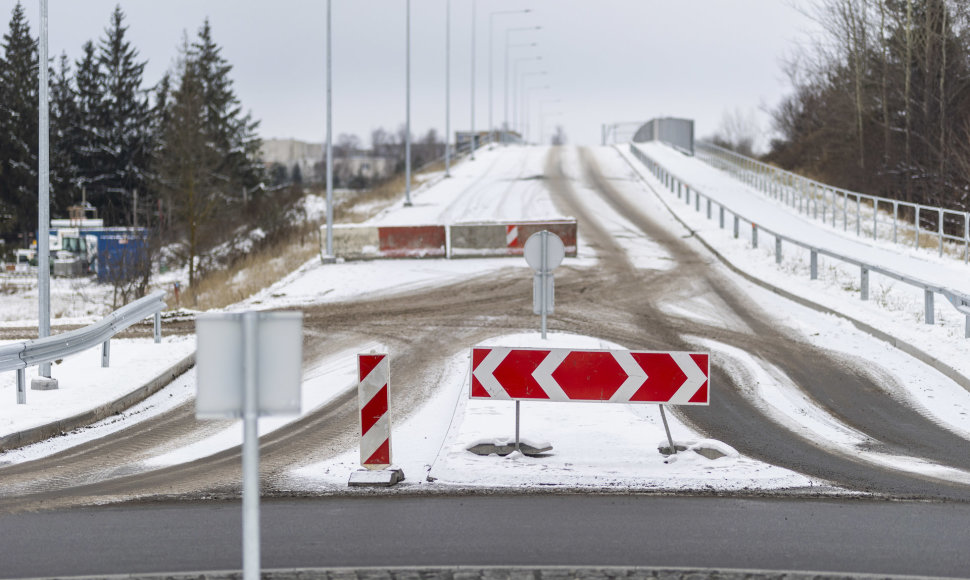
(268, 264)
(258, 270)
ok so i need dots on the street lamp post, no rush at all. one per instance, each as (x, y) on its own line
(407, 121)
(491, 34)
(329, 258)
(515, 88)
(448, 88)
(526, 118)
(517, 98)
(43, 193)
(508, 31)
(543, 114)
(471, 135)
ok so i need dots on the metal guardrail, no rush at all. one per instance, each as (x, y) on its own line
(683, 190)
(20, 355)
(809, 196)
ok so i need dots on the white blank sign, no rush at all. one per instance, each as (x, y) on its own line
(220, 364)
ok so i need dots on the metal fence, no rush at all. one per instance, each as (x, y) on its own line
(684, 190)
(850, 209)
(677, 133)
(20, 355)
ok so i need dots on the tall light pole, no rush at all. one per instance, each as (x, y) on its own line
(526, 118)
(329, 258)
(517, 96)
(491, 34)
(448, 88)
(472, 133)
(508, 31)
(543, 114)
(43, 193)
(407, 122)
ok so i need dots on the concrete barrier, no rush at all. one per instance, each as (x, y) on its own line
(466, 240)
(353, 242)
(412, 241)
(362, 242)
(507, 238)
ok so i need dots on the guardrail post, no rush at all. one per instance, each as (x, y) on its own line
(814, 265)
(966, 328)
(895, 217)
(875, 217)
(687, 195)
(845, 212)
(940, 223)
(916, 220)
(105, 353)
(679, 193)
(158, 327)
(858, 215)
(754, 236)
(721, 212)
(864, 285)
(929, 306)
(22, 380)
(697, 202)
(777, 250)
(737, 226)
(708, 208)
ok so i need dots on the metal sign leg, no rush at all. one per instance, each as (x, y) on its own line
(517, 427)
(670, 440)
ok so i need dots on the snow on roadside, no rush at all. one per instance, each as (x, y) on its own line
(504, 183)
(326, 379)
(893, 307)
(84, 384)
(578, 431)
(595, 445)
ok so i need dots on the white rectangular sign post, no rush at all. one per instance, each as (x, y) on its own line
(543, 251)
(249, 365)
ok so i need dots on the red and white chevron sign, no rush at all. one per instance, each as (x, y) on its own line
(373, 396)
(512, 236)
(617, 376)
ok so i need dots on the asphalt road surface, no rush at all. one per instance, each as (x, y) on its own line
(892, 538)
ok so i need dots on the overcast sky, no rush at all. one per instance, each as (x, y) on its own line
(606, 61)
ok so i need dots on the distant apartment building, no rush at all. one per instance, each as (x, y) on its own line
(290, 152)
(348, 167)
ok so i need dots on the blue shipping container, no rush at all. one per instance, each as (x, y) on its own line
(122, 256)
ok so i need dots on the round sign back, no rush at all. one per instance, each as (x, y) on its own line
(555, 251)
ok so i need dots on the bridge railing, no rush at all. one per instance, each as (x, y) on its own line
(866, 215)
(683, 190)
(22, 354)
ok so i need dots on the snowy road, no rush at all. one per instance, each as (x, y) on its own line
(787, 390)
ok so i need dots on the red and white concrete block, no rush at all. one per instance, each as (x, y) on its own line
(373, 398)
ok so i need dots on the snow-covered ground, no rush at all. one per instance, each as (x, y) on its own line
(595, 445)
(894, 307)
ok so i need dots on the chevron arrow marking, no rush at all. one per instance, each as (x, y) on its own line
(617, 376)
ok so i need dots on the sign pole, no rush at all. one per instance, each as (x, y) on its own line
(544, 273)
(250, 458)
(231, 351)
(673, 449)
(517, 426)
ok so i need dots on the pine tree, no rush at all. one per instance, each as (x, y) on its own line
(232, 133)
(65, 137)
(126, 116)
(90, 139)
(184, 164)
(18, 127)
